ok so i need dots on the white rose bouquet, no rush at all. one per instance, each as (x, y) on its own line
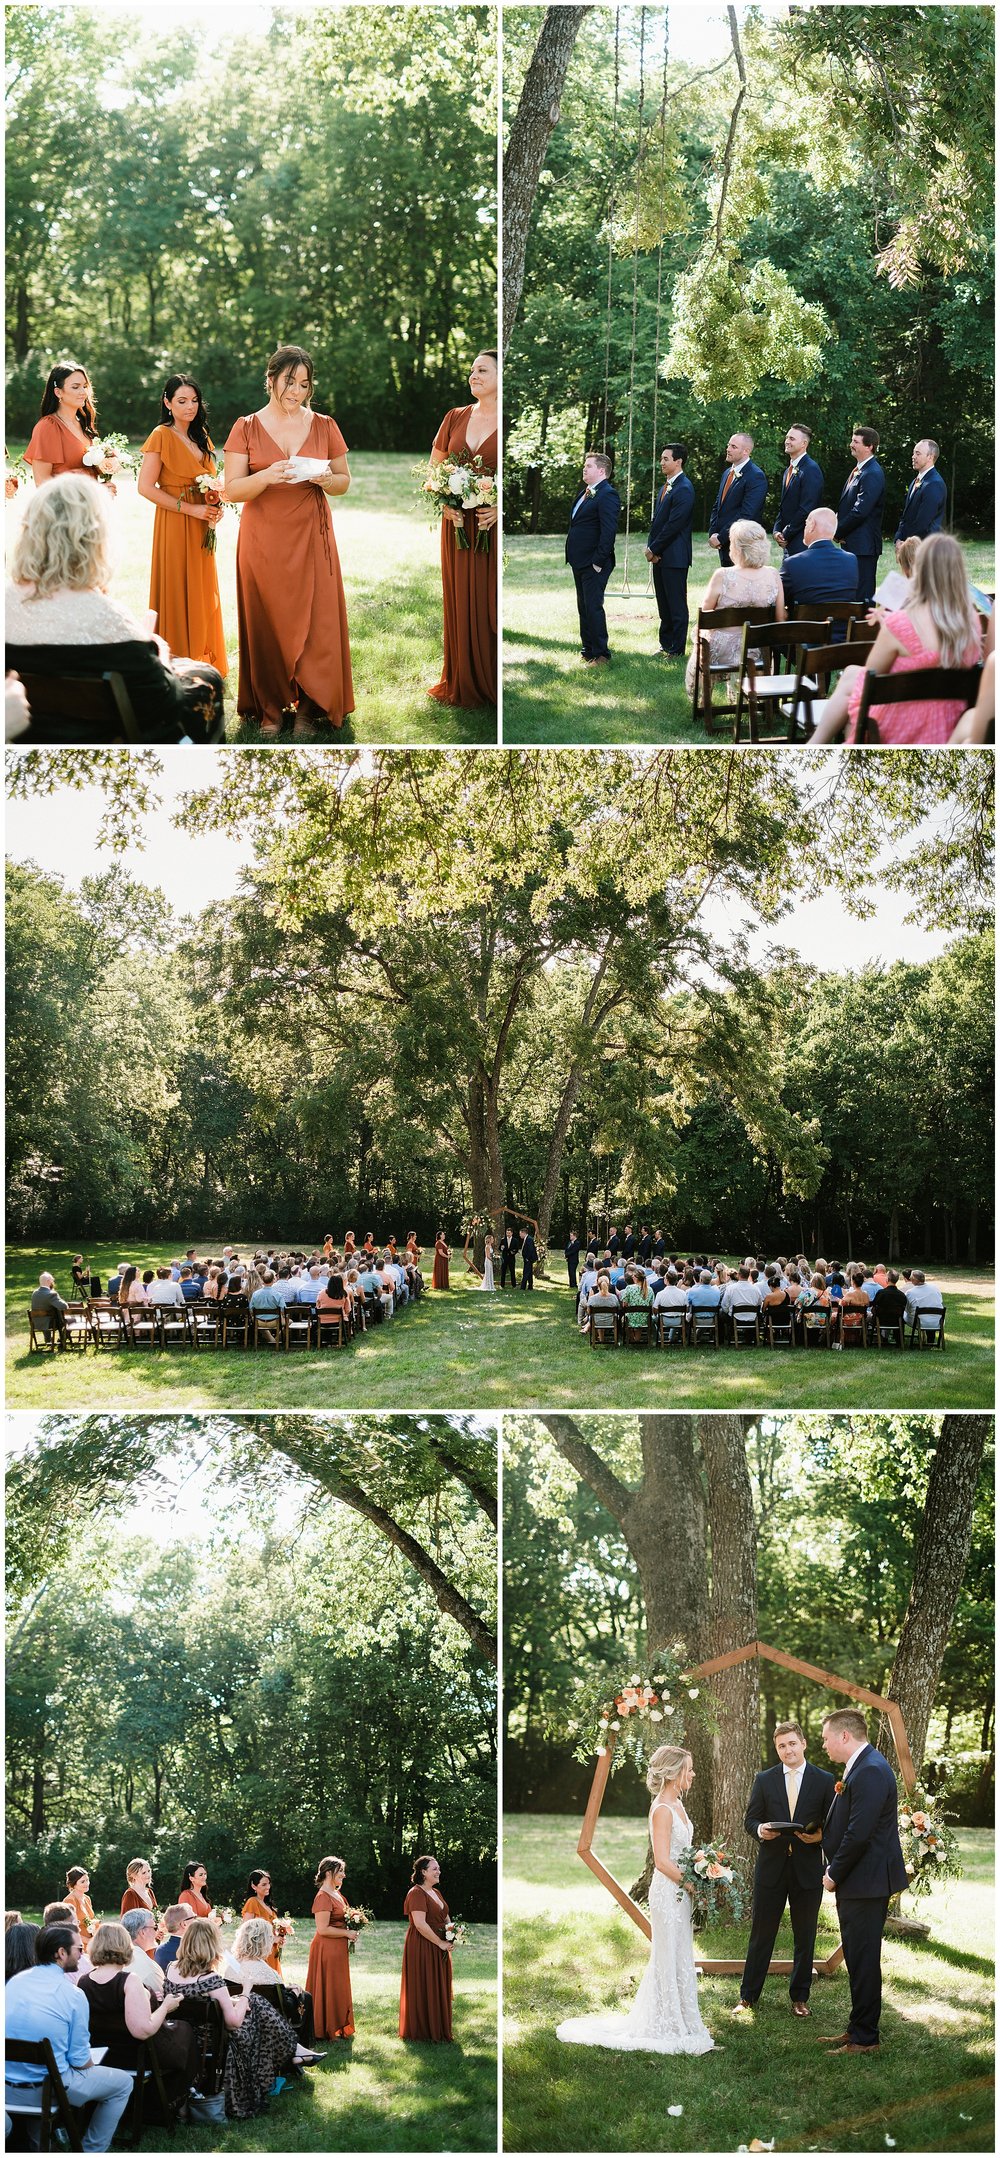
(108, 456)
(460, 485)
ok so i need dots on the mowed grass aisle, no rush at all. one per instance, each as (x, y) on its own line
(372, 2092)
(548, 693)
(392, 576)
(568, 1950)
(465, 1350)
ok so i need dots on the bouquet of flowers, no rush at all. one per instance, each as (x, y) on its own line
(457, 1932)
(224, 1915)
(356, 1918)
(109, 455)
(454, 485)
(16, 470)
(206, 488)
(284, 1930)
(930, 1849)
(718, 1890)
(644, 1712)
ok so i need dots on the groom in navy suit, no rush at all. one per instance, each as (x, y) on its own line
(859, 513)
(801, 490)
(923, 510)
(864, 1867)
(789, 1867)
(590, 552)
(742, 493)
(668, 548)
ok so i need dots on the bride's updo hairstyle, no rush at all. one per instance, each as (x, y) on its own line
(664, 1765)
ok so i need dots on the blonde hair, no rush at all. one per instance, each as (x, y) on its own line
(112, 1943)
(63, 544)
(135, 1866)
(199, 1949)
(664, 1765)
(907, 552)
(750, 542)
(941, 583)
(254, 1941)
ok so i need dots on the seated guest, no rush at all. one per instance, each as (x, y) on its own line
(938, 627)
(80, 1277)
(255, 1954)
(264, 1301)
(61, 622)
(385, 1289)
(751, 582)
(704, 1295)
(601, 1298)
(127, 1282)
(777, 1300)
(822, 571)
(11, 1918)
(977, 724)
(49, 1308)
(114, 1989)
(175, 1918)
(140, 1926)
(190, 1285)
(163, 1290)
(836, 1283)
(310, 1285)
(740, 1289)
(333, 1301)
(19, 1952)
(895, 588)
(40, 2003)
(261, 2044)
(889, 1306)
(923, 1296)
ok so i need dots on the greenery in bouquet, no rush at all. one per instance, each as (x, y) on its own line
(356, 1918)
(642, 1711)
(16, 472)
(719, 1889)
(207, 488)
(109, 456)
(457, 1932)
(459, 484)
(930, 1848)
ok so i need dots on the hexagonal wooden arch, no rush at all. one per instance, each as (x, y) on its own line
(718, 1965)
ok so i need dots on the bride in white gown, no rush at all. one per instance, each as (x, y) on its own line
(487, 1280)
(664, 2016)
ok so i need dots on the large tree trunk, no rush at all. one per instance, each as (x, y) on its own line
(938, 1569)
(536, 116)
(733, 1621)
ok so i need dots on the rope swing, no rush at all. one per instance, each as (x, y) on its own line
(625, 589)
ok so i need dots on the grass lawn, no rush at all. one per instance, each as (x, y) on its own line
(463, 1349)
(372, 2092)
(550, 696)
(391, 564)
(568, 1950)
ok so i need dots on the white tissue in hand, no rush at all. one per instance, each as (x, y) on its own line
(307, 468)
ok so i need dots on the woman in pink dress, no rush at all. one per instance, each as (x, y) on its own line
(938, 627)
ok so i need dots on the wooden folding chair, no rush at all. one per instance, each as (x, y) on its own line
(927, 1329)
(45, 2100)
(927, 685)
(771, 691)
(101, 701)
(707, 670)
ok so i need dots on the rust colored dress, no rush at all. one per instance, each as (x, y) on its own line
(183, 581)
(133, 1901)
(294, 647)
(53, 444)
(440, 1276)
(255, 1908)
(328, 1978)
(195, 1902)
(469, 582)
(425, 1992)
(85, 1917)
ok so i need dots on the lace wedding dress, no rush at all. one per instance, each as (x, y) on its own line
(664, 2016)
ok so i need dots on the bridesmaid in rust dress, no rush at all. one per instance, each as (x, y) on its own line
(192, 1890)
(425, 1992)
(328, 1978)
(469, 577)
(66, 427)
(439, 1278)
(295, 656)
(139, 1894)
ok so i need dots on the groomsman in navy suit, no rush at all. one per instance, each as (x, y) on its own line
(742, 493)
(864, 1867)
(590, 552)
(859, 512)
(923, 510)
(668, 548)
(789, 1867)
(801, 490)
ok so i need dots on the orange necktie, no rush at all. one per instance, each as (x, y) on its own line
(730, 476)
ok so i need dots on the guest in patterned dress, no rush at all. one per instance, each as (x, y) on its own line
(262, 2046)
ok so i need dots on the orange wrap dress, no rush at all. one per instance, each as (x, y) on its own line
(425, 1992)
(469, 584)
(328, 1978)
(295, 651)
(53, 444)
(183, 580)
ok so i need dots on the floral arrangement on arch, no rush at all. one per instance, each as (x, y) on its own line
(643, 1711)
(930, 1848)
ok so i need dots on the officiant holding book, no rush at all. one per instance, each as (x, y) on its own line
(786, 1811)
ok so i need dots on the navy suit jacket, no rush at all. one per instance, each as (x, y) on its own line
(746, 498)
(861, 1837)
(803, 493)
(822, 571)
(768, 1801)
(591, 536)
(670, 531)
(923, 509)
(859, 512)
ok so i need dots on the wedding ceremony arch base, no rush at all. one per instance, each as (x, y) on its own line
(713, 1965)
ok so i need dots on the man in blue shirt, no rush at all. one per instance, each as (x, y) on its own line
(44, 2003)
(190, 1285)
(705, 1296)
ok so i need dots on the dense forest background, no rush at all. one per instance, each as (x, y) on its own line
(823, 254)
(185, 201)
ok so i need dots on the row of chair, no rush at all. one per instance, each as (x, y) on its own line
(747, 1327)
(102, 1324)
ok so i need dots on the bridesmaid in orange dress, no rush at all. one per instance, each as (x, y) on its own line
(77, 1896)
(67, 425)
(295, 655)
(328, 1978)
(425, 1991)
(192, 1890)
(257, 1905)
(183, 581)
(139, 1893)
(469, 578)
(439, 1278)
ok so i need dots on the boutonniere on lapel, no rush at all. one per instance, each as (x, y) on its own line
(838, 1787)
(591, 491)
(916, 482)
